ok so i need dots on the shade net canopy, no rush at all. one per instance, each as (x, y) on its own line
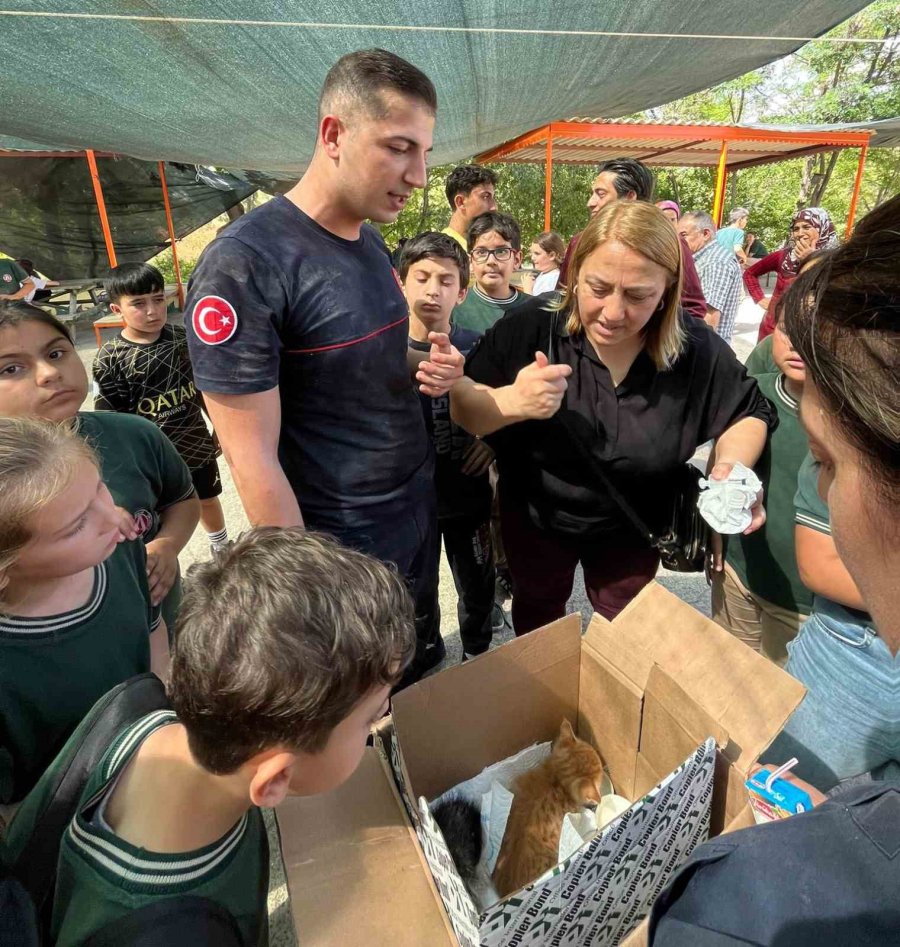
(886, 131)
(236, 84)
(49, 214)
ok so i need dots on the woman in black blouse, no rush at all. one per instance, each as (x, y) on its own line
(643, 383)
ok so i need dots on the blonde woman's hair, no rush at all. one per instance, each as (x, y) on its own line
(37, 462)
(643, 228)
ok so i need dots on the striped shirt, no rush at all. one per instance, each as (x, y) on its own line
(54, 668)
(722, 282)
(102, 877)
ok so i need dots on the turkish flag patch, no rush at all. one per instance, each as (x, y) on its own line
(214, 320)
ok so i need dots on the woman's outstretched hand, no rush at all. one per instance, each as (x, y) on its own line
(539, 388)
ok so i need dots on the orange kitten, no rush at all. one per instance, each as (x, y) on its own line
(568, 780)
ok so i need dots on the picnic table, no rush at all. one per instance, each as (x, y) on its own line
(71, 288)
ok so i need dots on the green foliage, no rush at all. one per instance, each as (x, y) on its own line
(520, 192)
(822, 83)
(163, 262)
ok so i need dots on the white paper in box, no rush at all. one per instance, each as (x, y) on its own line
(603, 891)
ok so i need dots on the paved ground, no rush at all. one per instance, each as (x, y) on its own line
(691, 588)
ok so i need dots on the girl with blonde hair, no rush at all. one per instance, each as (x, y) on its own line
(75, 612)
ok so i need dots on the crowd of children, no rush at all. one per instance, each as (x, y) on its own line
(280, 652)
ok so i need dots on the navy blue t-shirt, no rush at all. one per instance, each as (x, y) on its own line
(458, 494)
(279, 300)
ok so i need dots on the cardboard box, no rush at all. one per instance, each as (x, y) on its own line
(647, 689)
(354, 870)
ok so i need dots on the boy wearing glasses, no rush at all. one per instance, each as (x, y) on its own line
(495, 249)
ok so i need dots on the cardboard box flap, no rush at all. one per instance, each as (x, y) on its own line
(353, 867)
(454, 724)
(610, 707)
(749, 696)
(674, 724)
(629, 658)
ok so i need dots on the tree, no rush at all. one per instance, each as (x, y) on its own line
(821, 83)
(848, 83)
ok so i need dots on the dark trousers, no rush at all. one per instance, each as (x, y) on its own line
(500, 566)
(467, 542)
(542, 566)
(405, 537)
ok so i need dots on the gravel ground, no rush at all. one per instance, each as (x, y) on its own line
(691, 588)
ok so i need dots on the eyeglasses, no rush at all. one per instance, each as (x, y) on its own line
(500, 254)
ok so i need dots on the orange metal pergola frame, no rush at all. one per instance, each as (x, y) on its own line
(808, 142)
(91, 157)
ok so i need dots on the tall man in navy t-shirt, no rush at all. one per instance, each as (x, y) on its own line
(297, 329)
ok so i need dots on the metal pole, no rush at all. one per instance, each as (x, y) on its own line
(169, 223)
(548, 181)
(857, 185)
(719, 198)
(101, 207)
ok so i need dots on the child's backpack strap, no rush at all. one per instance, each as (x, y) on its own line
(35, 866)
(173, 922)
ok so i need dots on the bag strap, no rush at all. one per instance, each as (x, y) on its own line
(127, 702)
(591, 458)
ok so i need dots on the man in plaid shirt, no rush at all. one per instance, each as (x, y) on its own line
(719, 271)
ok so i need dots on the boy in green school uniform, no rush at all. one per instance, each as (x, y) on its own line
(287, 647)
(757, 594)
(495, 250)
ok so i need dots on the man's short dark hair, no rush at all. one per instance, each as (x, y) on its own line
(464, 180)
(360, 78)
(278, 638)
(503, 224)
(434, 246)
(133, 279)
(630, 175)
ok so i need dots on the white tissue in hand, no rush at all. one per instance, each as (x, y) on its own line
(726, 504)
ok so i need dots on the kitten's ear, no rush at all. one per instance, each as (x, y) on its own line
(566, 733)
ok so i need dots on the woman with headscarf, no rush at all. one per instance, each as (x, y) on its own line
(671, 211)
(811, 229)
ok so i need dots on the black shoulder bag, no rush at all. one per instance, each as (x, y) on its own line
(683, 547)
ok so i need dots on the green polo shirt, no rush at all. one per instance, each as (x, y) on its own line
(478, 312)
(766, 561)
(101, 877)
(11, 277)
(760, 360)
(53, 669)
(144, 473)
(812, 512)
